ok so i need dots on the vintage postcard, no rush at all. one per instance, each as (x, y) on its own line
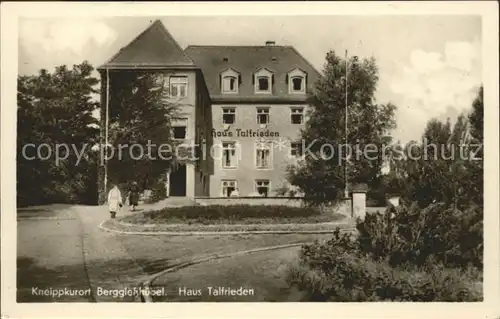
(250, 160)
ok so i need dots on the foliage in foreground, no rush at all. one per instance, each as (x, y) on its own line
(434, 234)
(329, 273)
(435, 254)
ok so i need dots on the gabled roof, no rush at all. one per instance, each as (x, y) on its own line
(296, 70)
(262, 70)
(230, 70)
(153, 48)
(213, 60)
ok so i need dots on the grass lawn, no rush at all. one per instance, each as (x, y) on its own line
(156, 253)
(262, 273)
(234, 214)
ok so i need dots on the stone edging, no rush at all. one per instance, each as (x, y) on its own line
(146, 285)
(235, 225)
(216, 233)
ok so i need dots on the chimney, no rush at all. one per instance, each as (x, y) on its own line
(270, 43)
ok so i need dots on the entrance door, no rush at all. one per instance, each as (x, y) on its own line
(177, 181)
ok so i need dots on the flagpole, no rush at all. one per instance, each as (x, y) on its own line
(106, 135)
(346, 192)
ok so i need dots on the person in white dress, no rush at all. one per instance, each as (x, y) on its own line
(114, 201)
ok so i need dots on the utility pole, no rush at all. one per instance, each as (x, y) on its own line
(346, 191)
(106, 135)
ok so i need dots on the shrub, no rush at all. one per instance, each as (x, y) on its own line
(417, 236)
(341, 275)
(376, 197)
(403, 254)
(158, 192)
(232, 212)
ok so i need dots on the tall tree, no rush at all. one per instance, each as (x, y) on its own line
(441, 168)
(476, 117)
(320, 176)
(56, 109)
(140, 117)
(475, 165)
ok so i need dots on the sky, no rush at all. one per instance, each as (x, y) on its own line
(429, 66)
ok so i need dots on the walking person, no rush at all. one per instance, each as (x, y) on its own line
(114, 200)
(133, 196)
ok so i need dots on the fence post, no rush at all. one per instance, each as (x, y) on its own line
(358, 196)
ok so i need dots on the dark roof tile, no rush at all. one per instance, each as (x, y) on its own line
(153, 48)
(246, 60)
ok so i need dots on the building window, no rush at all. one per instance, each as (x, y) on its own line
(297, 116)
(229, 84)
(297, 84)
(262, 115)
(228, 115)
(229, 81)
(262, 187)
(229, 158)
(263, 158)
(297, 81)
(178, 86)
(263, 84)
(296, 149)
(263, 81)
(228, 186)
(179, 132)
(179, 129)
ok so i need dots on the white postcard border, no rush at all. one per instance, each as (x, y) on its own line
(9, 31)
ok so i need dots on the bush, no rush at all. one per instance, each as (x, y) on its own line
(237, 212)
(417, 236)
(404, 254)
(376, 197)
(336, 274)
(158, 192)
(232, 214)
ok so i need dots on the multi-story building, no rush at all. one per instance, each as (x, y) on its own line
(244, 105)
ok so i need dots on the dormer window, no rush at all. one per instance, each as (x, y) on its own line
(229, 81)
(263, 81)
(229, 84)
(297, 82)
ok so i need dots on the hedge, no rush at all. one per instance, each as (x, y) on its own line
(233, 214)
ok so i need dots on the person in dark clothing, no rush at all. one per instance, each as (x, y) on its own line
(133, 195)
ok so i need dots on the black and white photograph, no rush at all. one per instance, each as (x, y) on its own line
(184, 156)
